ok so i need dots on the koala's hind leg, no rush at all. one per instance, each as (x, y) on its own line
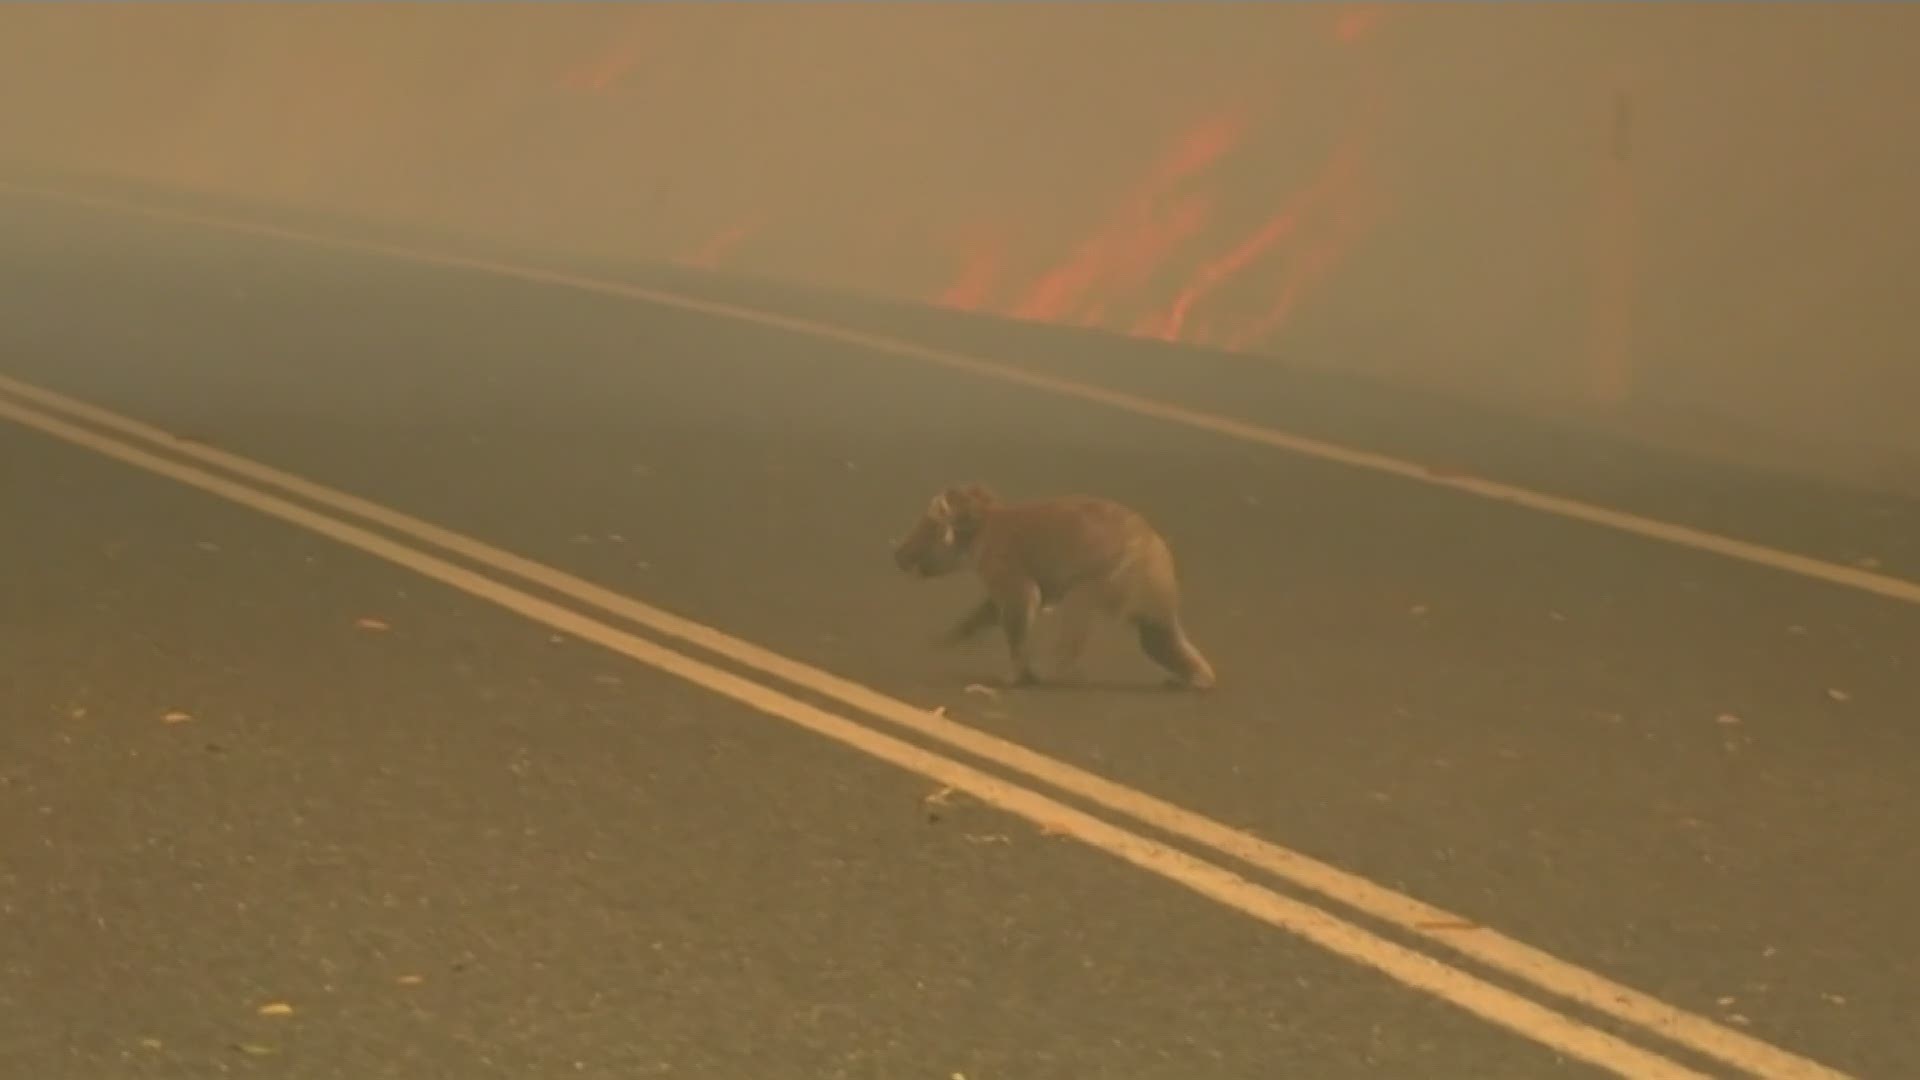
(1077, 610)
(1019, 605)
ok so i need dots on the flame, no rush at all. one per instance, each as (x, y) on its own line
(599, 73)
(1282, 225)
(1168, 326)
(1156, 223)
(1133, 224)
(721, 244)
(1354, 210)
(981, 266)
(1157, 263)
(1357, 22)
(1152, 246)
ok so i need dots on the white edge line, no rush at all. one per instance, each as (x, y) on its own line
(1416, 970)
(1451, 931)
(1851, 577)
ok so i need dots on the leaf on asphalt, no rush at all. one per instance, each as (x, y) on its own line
(933, 804)
(1839, 695)
(276, 1008)
(981, 688)
(254, 1049)
(410, 980)
(1727, 719)
(175, 716)
(371, 623)
(1417, 609)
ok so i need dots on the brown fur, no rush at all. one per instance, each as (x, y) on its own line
(1087, 555)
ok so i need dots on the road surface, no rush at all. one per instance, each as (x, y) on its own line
(246, 765)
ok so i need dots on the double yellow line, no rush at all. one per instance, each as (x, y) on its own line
(606, 618)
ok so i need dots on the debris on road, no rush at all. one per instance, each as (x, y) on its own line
(935, 802)
(368, 622)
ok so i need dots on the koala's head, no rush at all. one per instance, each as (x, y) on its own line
(939, 541)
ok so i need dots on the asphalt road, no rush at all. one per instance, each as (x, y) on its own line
(459, 847)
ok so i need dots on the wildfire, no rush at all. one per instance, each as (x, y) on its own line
(1160, 261)
(599, 73)
(720, 245)
(1134, 231)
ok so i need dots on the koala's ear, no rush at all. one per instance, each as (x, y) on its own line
(970, 497)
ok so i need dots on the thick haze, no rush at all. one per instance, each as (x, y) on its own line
(1694, 221)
